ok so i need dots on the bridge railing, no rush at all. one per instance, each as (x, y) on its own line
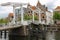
(52, 28)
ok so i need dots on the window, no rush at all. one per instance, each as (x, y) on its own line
(43, 17)
(31, 11)
(36, 13)
(12, 16)
(28, 11)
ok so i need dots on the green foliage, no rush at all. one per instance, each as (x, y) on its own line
(3, 21)
(27, 17)
(35, 17)
(56, 16)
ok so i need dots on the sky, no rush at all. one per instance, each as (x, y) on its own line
(4, 11)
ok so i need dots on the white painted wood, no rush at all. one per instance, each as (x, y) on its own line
(33, 16)
(39, 17)
(13, 21)
(22, 13)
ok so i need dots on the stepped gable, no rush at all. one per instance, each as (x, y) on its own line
(42, 7)
(38, 4)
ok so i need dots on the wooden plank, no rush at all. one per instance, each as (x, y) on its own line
(11, 27)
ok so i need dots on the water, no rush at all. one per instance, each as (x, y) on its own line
(50, 36)
(4, 35)
(17, 37)
(57, 35)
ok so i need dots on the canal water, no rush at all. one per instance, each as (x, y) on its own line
(4, 36)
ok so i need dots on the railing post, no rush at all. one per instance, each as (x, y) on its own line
(39, 17)
(33, 16)
(14, 14)
(21, 13)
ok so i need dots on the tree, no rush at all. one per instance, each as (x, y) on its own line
(3, 21)
(56, 15)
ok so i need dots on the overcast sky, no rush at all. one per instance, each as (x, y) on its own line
(51, 4)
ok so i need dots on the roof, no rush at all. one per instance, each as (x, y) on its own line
(58, 7)
(38, 5)
(11, 14)
(33, 7)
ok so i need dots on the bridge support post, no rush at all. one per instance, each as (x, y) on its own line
(33, 16)
(39, 17)
(18, 33)
(22, 14)
(50, 36)
(13, 21)
(24, 31)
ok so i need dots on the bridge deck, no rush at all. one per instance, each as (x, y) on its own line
(9, 27)
(12, 26)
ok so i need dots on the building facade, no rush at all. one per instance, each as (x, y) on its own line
(46, 17)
